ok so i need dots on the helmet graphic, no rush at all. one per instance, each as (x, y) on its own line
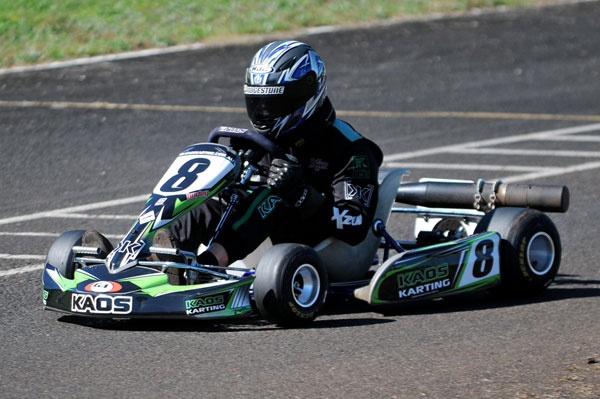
(285, 83)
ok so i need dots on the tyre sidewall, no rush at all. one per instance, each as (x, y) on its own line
(521, 274)
(273, 284)
(60, 254)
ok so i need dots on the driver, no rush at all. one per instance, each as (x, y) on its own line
(325, 186)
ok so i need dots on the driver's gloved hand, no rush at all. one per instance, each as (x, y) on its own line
(287, 181)
(285, 175)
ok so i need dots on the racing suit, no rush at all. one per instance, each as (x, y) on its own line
(337, 199)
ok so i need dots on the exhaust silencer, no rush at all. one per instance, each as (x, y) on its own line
(484, 196)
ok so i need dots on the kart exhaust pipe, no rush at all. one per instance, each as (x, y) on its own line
(543, 197)
(485, 196)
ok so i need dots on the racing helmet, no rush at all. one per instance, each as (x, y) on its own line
(285, 84)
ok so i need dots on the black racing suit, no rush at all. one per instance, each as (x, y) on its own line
(338, 197)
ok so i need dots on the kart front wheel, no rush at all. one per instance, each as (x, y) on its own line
(291, 285)
(60, 254)
(530, 249)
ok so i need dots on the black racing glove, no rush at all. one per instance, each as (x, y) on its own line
(286, 179)
(285, 175)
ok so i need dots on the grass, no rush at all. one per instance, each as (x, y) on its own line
(33, 31)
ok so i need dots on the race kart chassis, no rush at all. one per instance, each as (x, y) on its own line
(469, 235)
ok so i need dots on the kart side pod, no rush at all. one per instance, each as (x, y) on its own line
(436, 271)
(484, 196)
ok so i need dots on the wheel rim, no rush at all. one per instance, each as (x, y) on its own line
(306, 285)
(540, 253)
(452, 228)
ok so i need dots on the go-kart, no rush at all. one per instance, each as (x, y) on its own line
(469, 236)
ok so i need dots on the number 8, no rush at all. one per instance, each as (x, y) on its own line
(485, 261)
(186, 175)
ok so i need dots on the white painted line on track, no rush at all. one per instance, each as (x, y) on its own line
(87, 207)
(104, 58)
(22, 256)
(528, 153)
(21, 270)
(490, 142)
(42, 234)
(552, 172)
(28, 234)
(462, 166)
(580, 138)
(535, 172)
(90, 216)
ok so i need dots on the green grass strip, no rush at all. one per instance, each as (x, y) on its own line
(33, 31)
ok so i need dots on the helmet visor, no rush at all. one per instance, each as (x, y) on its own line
(267, 103)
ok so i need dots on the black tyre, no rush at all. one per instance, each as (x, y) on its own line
(530, 249)
(60, 254)
(92, 238)
(291, 284)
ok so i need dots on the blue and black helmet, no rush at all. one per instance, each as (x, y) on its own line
(285, 84)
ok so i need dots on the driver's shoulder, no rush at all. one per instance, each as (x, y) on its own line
(343, 131)
(348, 142)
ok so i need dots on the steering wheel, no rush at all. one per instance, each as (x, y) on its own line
(246, 138)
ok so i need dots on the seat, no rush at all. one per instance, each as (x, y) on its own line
(345, 262)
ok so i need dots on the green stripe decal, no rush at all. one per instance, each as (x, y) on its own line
(164, 289)
(251, 209)
(184, 205)
(147, 281)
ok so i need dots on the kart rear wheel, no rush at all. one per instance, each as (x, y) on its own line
(291, 285)
(60, 254)
(530, 249)
(453, 228)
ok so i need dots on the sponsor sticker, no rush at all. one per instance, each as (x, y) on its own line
(217, 152)
(230, 129)
(147, 217)
(261, 68)
(198, 194)
(130, 248)
(363, 193)
(205, 304)
(359, 165)
(101, 304)
(268, 205)
(343, 219)
(425, 275)
(424, 289)
(263, 90)
(317, 164)
(103, 287)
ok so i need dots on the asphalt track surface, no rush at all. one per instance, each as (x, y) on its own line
(498, 77)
